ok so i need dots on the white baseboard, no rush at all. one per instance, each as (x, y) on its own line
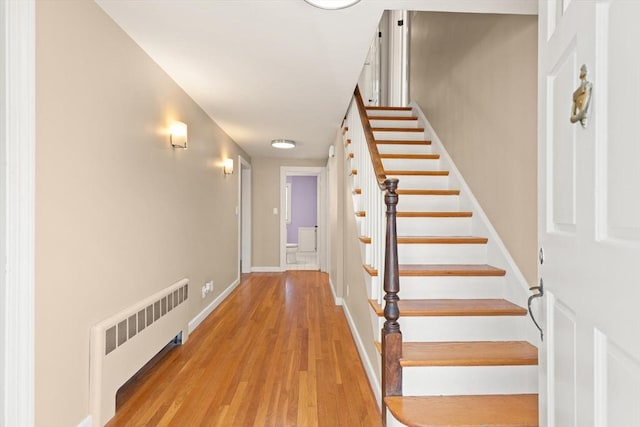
(366, 362)
(195, 322)
(336, 300)
(87, 422)
(266, 270)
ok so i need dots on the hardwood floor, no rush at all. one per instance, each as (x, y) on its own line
(277, 352)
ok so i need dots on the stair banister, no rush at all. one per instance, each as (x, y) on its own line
(391, 334)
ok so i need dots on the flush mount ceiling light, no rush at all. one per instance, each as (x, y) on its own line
(332, 4)
(283, 143)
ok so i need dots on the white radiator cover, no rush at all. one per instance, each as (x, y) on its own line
(306, 239)
(126, 341)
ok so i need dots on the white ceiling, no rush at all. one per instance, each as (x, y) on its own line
(266, 69)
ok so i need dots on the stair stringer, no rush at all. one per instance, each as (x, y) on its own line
(515, 287)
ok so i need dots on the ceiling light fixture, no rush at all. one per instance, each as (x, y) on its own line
(283, 143)
(332, 4)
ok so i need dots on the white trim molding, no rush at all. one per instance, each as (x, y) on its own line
(17, 211)
(195, 322)
(337, 300)
(266, 269)
(366, 362)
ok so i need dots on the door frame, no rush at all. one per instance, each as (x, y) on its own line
(17, 211)
(321, 173)
(244, 216)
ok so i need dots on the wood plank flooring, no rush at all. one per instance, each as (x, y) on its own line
(277, 352)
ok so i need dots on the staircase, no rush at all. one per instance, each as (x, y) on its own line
(466, 357)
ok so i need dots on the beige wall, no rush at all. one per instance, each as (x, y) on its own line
(265, 195)
(119, 213)
(475, 77)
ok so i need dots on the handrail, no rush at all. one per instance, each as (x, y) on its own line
(391, 334)
(378, 169)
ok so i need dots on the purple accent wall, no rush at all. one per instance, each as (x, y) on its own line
(304, 205)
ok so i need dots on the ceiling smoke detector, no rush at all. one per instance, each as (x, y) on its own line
(332, 4)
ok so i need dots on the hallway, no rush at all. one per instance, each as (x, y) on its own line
(277, 352)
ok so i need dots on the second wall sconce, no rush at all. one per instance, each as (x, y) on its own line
(178, 135)
(227, 167)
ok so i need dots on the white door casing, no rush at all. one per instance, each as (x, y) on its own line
(244, 220)
(589, 215)
(17, 211)
(398, 66)
(369, 81)
(320, 173)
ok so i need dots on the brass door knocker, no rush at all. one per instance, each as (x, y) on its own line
(581, 99)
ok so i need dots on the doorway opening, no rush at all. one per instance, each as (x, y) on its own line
(302, 243)
(244, 217)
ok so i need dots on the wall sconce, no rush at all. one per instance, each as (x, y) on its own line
(178, 135)
(227, 167)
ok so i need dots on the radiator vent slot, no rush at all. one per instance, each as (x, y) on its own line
(123, 330)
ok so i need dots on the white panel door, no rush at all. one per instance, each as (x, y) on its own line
(589, 214)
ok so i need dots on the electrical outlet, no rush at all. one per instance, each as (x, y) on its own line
(206, 288)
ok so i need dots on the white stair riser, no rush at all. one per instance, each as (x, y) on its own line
(419, 182)
(409, 202)
(448, 226)
(388, 113)
(436, 253)
(437, 287)
(398, 135)
(393, 123)
(404, 149)
(464, 380)
(411, 164)
(462, 328)
(393, 422)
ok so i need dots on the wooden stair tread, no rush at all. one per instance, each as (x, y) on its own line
(386, 108)
(365, 239)
(450, 270)
(513, 410)
(372, 271)
(417, 173)
(453, 307)
(393, 118)
(408, 270)
(357, 191)
(436, 214)
(473, 353)
(442, 239)
(361, 214)
(402, 142)
(411, 156)
(409, 192)
(381, 129)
